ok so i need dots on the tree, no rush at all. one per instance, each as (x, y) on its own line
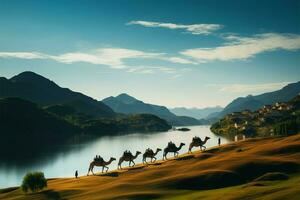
(34, 181)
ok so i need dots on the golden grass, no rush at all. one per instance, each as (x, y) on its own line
(226, 172)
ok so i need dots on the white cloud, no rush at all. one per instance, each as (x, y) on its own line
(179, 60)
(251, 88)
(167, 70)
(177, 76)
(22, 55)
(196, 29)
(240, 48)
(174, 72)
(151, 70)
(141, 70)
(113, 57)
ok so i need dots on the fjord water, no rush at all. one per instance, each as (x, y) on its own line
(63, 161)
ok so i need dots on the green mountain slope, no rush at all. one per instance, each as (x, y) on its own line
(38, 89)
(25, 126)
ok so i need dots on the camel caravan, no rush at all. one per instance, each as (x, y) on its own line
(149, 153)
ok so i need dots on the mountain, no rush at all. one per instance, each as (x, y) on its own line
(213, 115)
(30, 127)
(58, 115)
(125, 98)
(198, 113)
(38, 89)
(126, 104)
(255, 102)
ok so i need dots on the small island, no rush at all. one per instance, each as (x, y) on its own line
(183, 129)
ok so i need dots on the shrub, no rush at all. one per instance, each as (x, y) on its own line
(34, 181)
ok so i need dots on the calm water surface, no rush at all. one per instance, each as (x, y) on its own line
(64, 161)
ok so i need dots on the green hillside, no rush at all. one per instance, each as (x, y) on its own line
(28, 126)
(277, 119)
(36, 88)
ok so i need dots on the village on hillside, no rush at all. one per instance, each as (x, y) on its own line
(281, 118)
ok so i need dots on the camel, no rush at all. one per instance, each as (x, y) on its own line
(127, 156)
(197, 142)
(99, 163)
(149, 153)
(172, 148)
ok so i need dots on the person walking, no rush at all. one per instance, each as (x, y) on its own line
(76, 174)
(219, 141)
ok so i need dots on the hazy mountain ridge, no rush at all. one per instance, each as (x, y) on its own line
(198, 113)
(127, 104)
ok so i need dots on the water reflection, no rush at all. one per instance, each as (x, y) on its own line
(62, 161)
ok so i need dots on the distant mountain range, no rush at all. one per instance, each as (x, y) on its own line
(255, 102)
(38, 89)
(127, 104)
(198, 113)
(250, 102)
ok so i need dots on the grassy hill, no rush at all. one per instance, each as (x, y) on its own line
(261, 168)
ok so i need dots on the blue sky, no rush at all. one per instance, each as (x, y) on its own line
(173, 53)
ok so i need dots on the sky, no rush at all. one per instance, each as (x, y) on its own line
(167, 52)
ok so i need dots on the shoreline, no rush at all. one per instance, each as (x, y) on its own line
(195, 173)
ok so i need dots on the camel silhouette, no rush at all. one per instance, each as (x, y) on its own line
(149, 153)
(172, 148)
(127, 156)
(99, 163)
(197, 142)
